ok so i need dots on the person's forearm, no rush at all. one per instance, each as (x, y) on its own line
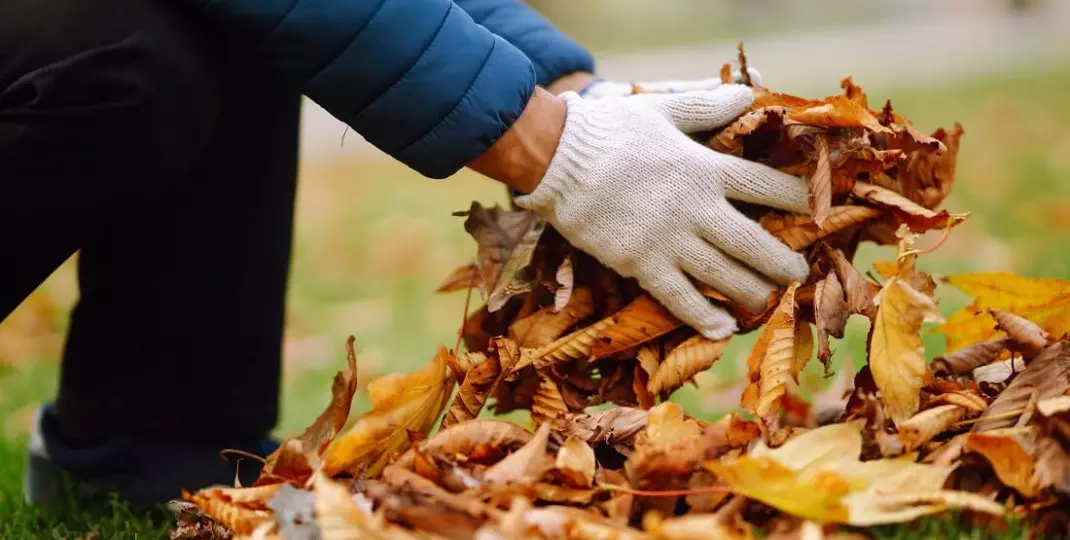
(520, 158)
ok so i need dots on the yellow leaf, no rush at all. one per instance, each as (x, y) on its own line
(818, 475)
(812, 494)
(400, 404)
(1045, 302)
(575, 462)
(695, 355)
(771, 365)
(896, 353)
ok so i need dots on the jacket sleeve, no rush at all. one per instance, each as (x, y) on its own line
(419, 79)
(552, 53)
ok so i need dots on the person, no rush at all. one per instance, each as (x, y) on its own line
(159, 138)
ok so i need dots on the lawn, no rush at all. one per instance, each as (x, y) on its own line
(374, 238)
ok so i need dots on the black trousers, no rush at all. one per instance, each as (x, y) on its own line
(131, 132)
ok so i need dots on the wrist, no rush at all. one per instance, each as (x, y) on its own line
(576, 81)
(520, 158)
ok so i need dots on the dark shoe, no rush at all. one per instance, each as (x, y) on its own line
(141, 472)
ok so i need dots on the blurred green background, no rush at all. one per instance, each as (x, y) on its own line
(374, 238)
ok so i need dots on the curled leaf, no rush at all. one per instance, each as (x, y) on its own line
(819, 184)
(771, 365)
(693, 356)
(830, 313)
(922, 427)
(506, 241)
(915, 216)
(799, 232)
(401, 403)
(528, 463)
(296, 458)
(575, 462)
(969, 358)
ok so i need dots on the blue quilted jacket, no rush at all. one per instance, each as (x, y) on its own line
(433, 83)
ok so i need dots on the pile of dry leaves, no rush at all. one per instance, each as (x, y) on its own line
(984, 429)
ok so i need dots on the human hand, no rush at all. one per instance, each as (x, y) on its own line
(628, 186)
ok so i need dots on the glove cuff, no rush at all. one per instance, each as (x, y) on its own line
(586, 122)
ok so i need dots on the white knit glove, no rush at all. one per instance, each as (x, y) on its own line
(603, 88)
(629, 187)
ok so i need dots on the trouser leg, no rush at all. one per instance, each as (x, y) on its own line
(124, 131)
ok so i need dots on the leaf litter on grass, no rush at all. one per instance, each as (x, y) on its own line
(983, 431)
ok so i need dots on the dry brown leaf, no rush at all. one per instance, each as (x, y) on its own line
(964, 399)
(565, 282)
(693, 356)
(479, 384)
(915, 216)
(922, 427)
(1012, 463)
(730, 139)
(1024, 335)
(296, 458)
(770, 366)
(799, 231)
(837, 111)
(640, 321)
(236, 517)
(401, 404)
(648, 357)
(529, 463)
(460, 279)
(819, 184)
(546, 325)
(896, 353)
(614, 426)
(1047, 376)
(574, 346)
(506, 241)
(965, 360)
(549, 405)
(830, 313)
(858, 292)
(669, 447)
(477, 436)
(575, 463)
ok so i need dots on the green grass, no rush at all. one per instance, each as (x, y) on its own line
(374, 238)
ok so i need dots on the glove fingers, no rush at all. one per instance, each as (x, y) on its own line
(761, 184)
(702, 110)
(742, 238)
(672, 288)
(725, 274)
